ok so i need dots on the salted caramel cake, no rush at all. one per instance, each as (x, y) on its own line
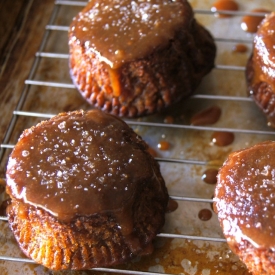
(85, 192)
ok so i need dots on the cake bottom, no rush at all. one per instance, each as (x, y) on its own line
(262, 93)
(147, 85)
(86, 242)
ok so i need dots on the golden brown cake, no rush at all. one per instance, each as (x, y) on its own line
(245, 203)
(134, 58)
(85, 192)
(260, 69)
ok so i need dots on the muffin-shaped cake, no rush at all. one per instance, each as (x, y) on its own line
(134, 58)
(260, 69)
(85, 192)
(245, 203)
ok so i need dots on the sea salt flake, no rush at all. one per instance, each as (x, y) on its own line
(25, 153)
(59, 173)
(62, 125)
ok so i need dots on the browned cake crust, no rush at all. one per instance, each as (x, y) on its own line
(260, 69)
(258, 261)
(244, 202)
(123, 229)
(86, 242)
(262, 93)
(151, 83)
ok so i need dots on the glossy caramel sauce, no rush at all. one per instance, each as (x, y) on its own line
(250, 23)
(210, 176)
(264, 52)
(172, 206)
(205, 214)
(224, 5)
(115, 82)
(240, 48)
(76, 164)
(207, 116)
(121, 31)
(222, 138)
(164, 145)
(245, 195)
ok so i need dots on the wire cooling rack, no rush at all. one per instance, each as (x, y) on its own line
(191, 152)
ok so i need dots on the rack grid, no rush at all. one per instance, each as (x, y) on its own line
(250, 128)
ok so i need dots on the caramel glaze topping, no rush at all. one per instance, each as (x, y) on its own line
(245, 195)
(250, 23)
(120, 31)
(80, 164)
(205, 214)
(210, 176)
(264, 52)
(224, 5)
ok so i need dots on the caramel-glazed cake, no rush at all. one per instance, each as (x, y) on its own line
(245, 203)
(134, 58)
(260, 69)
(85, 192)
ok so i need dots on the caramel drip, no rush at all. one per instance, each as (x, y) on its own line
(222, 138)
(172, 206)
(205, 214)
(121, 31)
(207, 116)
(164, 145)
(263, 53)
(224, 5)
(210, 176)
(250, 23)
(115, 81)
(240, 48)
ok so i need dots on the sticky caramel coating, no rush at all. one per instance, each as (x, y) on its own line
(245, 204)
(75, 175)
(74, 157)
(260, 69)
(113, 29)
(264, 52)
(151, 55)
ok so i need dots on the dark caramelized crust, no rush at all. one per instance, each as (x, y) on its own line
(245, 204)
(150, 83)
(260, 69)
(262, 93)
(85, 192)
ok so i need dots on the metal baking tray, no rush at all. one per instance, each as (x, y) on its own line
(187, 244)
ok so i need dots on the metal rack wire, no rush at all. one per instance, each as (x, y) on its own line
(33, 81)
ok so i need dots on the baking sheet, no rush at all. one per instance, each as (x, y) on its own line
(191, 149)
